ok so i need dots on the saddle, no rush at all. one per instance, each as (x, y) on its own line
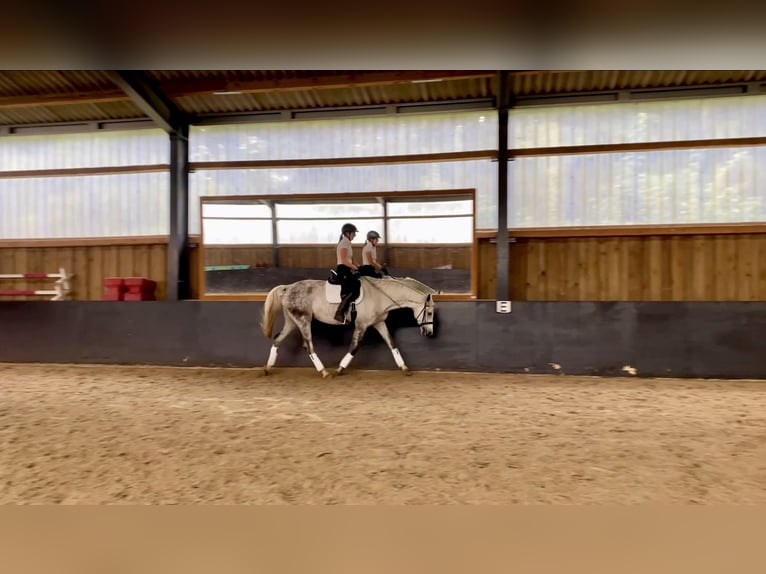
(332, 289)
(332, 293)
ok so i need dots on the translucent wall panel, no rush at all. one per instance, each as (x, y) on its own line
(349, 137)
(93, 149)
(237, 231)
(322, 230)
(87, 206)
(334, 210)
(431, 230)
(478, 174)
(225, 211)
(717, 185)
(627, 122)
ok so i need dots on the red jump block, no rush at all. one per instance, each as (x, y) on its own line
(140, 289)
(114, 289)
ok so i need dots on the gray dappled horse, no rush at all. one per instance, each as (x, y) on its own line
(302, 301)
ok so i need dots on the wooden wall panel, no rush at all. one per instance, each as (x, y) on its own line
(428, 256)
(721, 267)
(313, 256)
(237, 255)
(90, 263)
(487, 271)
(308, 256)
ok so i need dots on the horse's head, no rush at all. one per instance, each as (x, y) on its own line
(411, 293)
(425, 317)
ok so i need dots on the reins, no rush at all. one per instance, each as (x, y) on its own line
(399, 305)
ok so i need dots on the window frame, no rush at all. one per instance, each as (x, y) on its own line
(330, 198)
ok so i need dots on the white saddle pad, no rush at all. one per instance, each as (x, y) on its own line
(332, 292)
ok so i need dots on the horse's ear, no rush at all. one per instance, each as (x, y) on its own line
(428, 297)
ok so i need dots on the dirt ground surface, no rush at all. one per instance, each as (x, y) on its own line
(91, 434)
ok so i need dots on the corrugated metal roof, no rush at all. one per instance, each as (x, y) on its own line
(448, 90)
(70, 113)
(81, 114)
(564, 82)
(45, 96)
(36, 82)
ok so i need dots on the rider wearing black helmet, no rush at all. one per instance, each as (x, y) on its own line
(347, 270)
(370, 265)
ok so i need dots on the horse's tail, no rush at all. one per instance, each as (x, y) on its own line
(271, 309)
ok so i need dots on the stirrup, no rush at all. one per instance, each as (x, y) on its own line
(340, 317)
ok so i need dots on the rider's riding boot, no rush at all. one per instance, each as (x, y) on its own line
(340, 314)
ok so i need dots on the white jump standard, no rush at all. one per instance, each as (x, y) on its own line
(60, 291)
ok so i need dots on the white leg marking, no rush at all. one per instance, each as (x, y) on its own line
(272, 357)
(397, 358)
(317, 363)
(344, 362)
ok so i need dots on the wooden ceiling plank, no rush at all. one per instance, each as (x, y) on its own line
(62, 99)
(329, 81)
(208, 86)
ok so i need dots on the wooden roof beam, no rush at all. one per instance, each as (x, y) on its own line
(62, 99)
(209, 86)
(317, 82)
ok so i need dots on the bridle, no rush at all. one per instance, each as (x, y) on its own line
(423, 313)
(399, 306)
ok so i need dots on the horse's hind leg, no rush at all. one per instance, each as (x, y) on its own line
(288, 328)
(304, 326)
(381, 328)
(356, 338)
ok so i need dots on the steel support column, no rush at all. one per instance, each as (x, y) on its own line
(148, 96)
(178, 241)
(274, 234)
(502, 187)
(386, 239)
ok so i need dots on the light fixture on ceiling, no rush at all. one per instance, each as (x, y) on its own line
(227, 93)
(427, 81)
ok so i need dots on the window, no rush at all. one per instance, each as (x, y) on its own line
(426, 236)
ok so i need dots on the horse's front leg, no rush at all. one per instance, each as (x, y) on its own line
(356, 339)
(381, 328)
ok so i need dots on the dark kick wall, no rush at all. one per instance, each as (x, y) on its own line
(656, 339)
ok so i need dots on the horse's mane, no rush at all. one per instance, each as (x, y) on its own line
(414, 284)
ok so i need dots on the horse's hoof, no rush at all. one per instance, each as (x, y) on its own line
(339, 372)
(326, 375)
(265, 372)
(407, 372)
